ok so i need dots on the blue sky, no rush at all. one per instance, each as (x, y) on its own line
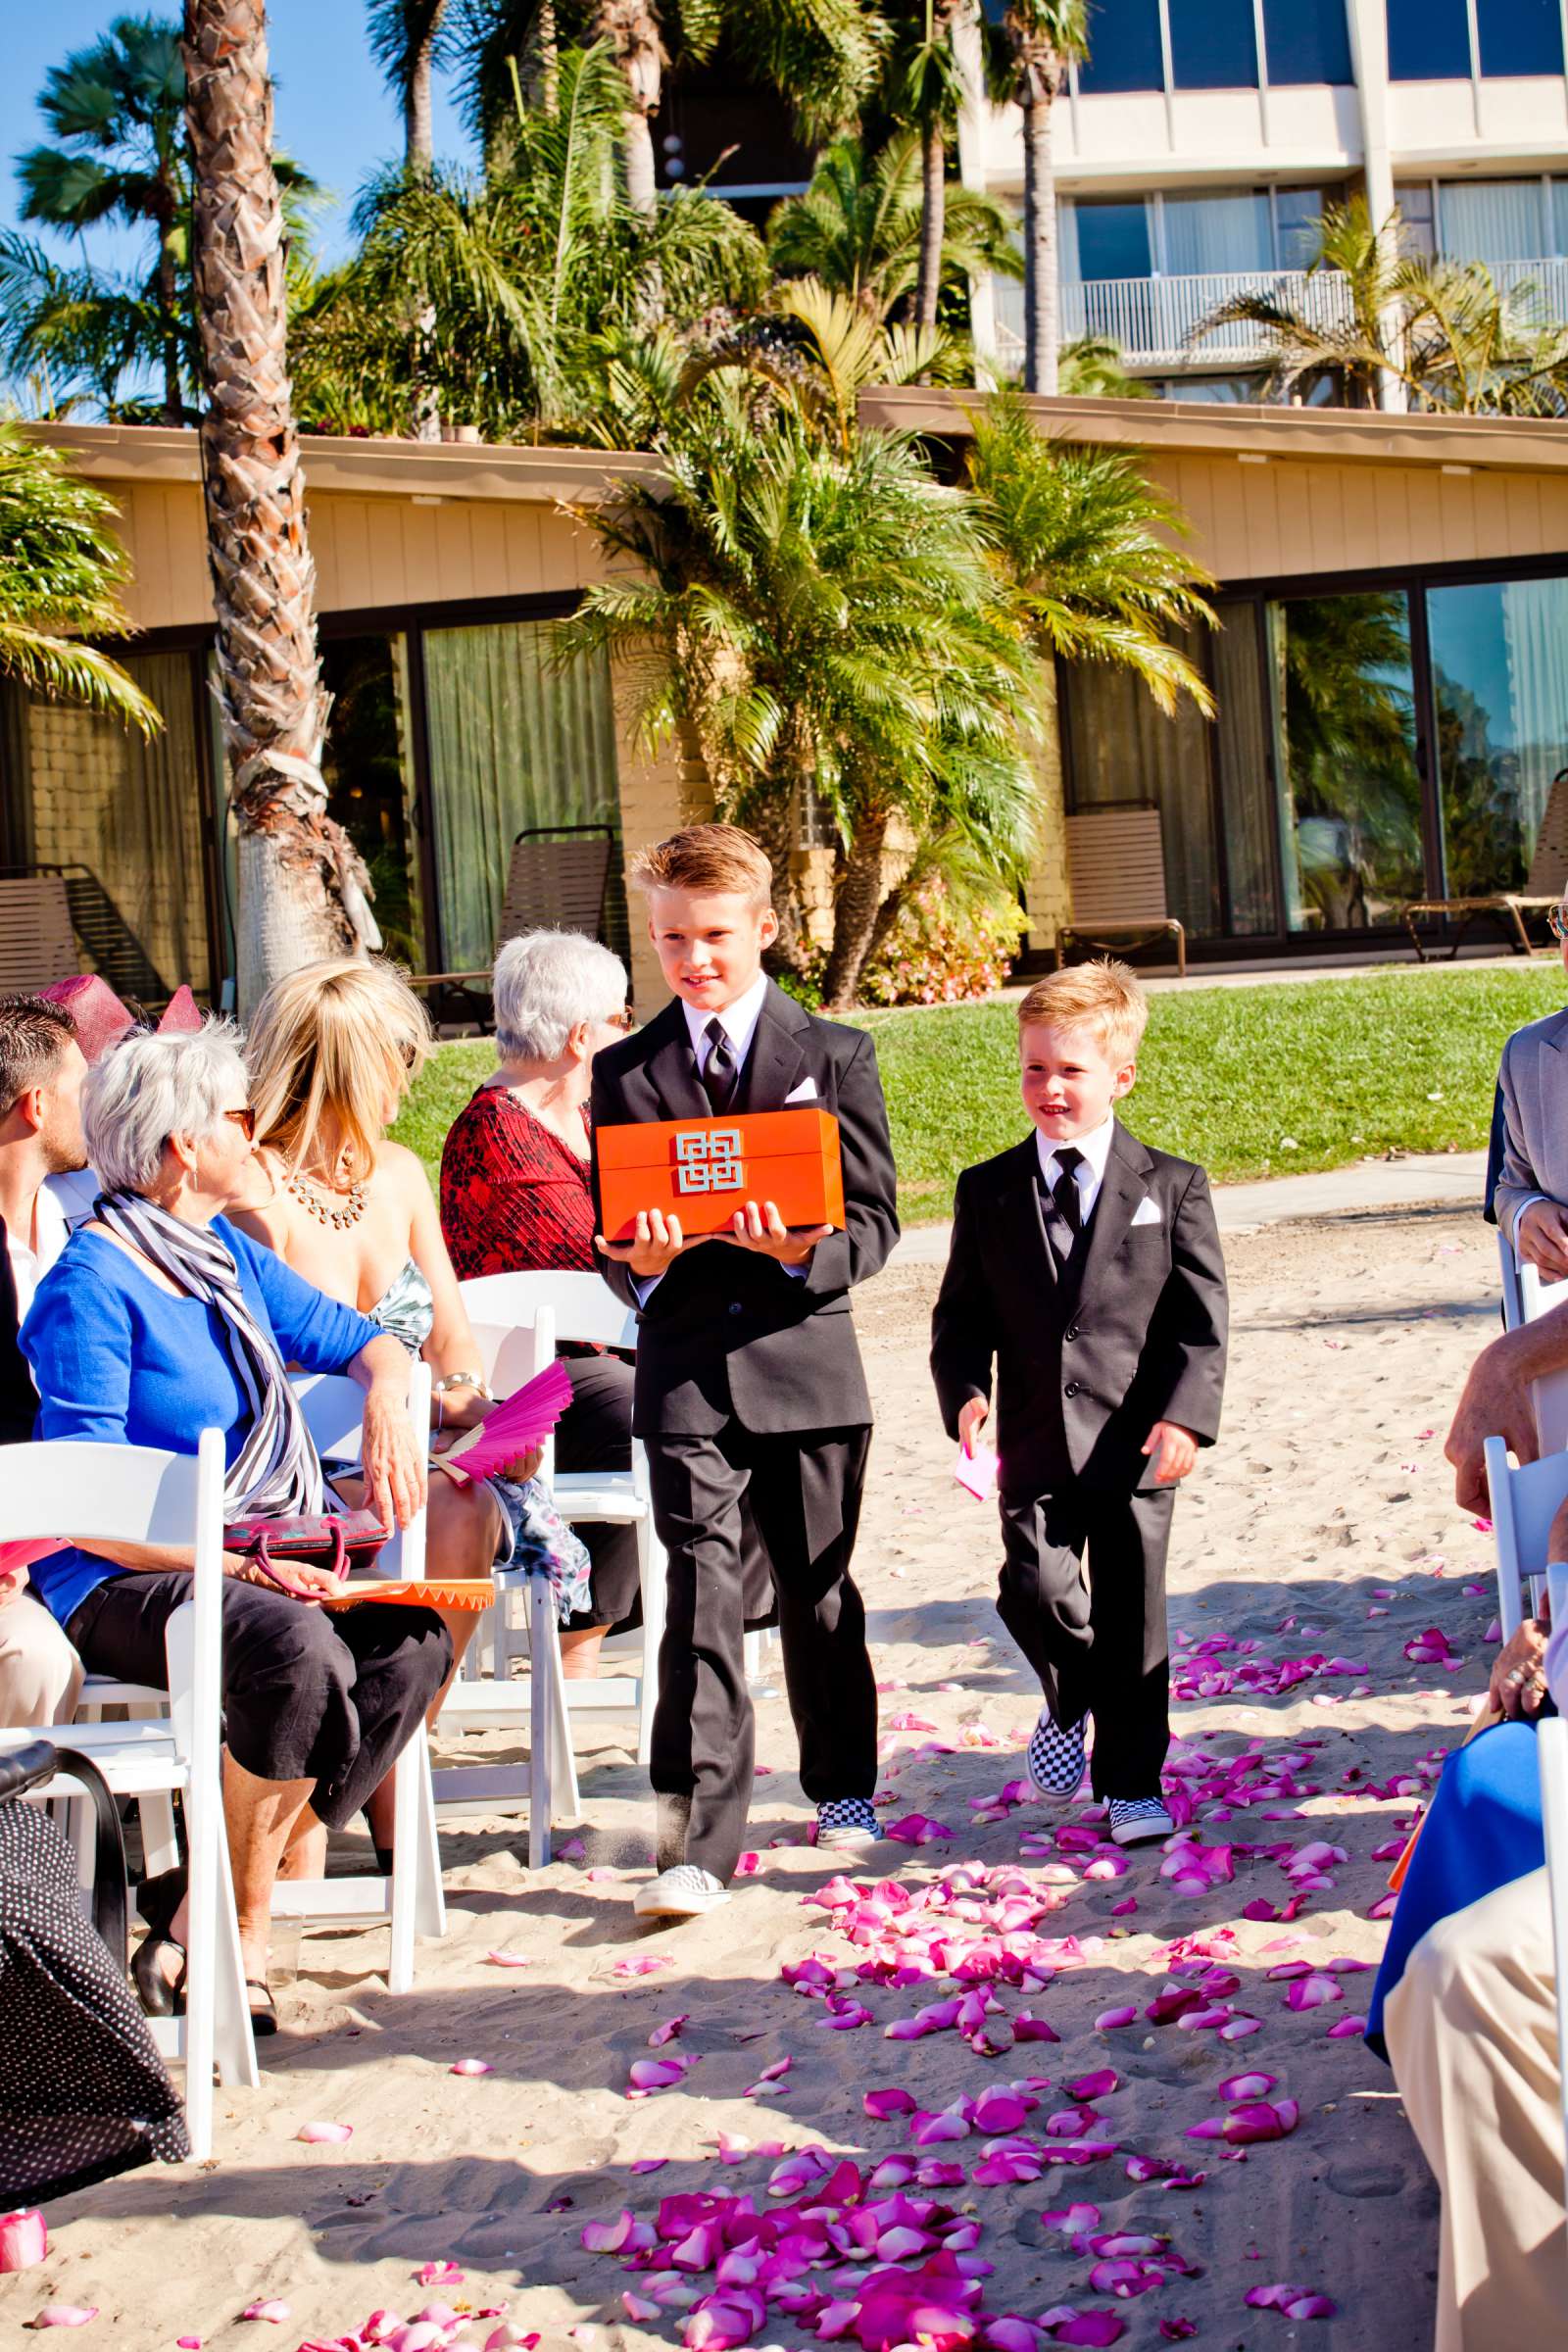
(333, 114)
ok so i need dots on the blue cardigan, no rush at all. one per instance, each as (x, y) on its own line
(121, 1362)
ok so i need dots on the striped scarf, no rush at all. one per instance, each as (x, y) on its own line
(277, 1468)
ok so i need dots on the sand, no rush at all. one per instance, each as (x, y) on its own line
(1329, 1488)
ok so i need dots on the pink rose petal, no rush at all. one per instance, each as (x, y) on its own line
(24, 2238)
(72, 2315)
(313, 2134)
(471, 2065)
(272, 2310)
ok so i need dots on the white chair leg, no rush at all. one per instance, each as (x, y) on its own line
(651, 1564)
(405, 1863)
(568, 1802)
(430, 1900)
(233, 2043)
(544, 1654)
(160, 1843)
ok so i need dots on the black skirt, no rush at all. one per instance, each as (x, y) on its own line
(84, 2093)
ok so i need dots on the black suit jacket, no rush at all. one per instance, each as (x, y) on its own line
(19, 1398)
(726, 1330)
(1086, 1369)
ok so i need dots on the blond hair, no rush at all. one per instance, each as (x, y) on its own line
(706, 857)
(328, 1041)
(1103, 997)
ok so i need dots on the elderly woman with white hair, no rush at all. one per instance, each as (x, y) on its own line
(161, 1320)
(517, 1195)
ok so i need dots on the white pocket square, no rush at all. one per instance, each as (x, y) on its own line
(805, 1092)
(1147, 1212)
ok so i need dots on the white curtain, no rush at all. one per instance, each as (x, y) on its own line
(1205, 235)
(1535, 628)
(1492, 221)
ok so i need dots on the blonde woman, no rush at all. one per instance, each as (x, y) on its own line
(333, 1049)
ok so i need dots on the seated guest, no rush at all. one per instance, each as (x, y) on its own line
(516, 1197)
(333, 1049)
(161, 1320)
(1465, 2010)
(1531, 1189)
(42, 1071)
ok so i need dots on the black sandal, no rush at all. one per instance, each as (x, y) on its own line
(161, 1995)
(264, 2021)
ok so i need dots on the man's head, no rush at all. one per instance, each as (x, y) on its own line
(709, 911)
(1078, 1036)
(42, 1071)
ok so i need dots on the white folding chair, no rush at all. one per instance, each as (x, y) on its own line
(1524, 1502)
(1552, 1749)
(519, 1320)
(131, 1495)
(410, 1899)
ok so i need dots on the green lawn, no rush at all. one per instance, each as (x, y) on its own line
(1266, 1081)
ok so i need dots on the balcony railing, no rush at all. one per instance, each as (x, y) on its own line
(1152, 319)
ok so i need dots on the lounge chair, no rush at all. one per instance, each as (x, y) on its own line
(1116, 873)
(559, 879)
(36, 941)
(1542, 889)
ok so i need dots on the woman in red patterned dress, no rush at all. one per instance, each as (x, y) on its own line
(516, 1197)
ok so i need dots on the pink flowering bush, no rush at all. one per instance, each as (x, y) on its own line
(939, 954)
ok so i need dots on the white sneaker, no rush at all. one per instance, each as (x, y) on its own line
(847, 1824)
(684, 1892)
(1056, 1760)
(1136, 1820)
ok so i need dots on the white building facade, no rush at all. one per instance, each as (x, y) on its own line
(1200, 141)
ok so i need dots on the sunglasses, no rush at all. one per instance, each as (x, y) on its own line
(1557, 922)
(245, 1121)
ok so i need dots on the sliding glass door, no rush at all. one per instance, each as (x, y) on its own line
(1500, 685)
(1348, 790)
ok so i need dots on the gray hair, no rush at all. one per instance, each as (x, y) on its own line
(149, 1088)
(544, 983)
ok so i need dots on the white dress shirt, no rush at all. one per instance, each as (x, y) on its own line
(1090, 1173)
(738, 1022)
(32, 1255)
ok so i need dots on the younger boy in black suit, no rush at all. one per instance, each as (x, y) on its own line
(749, 1394)
(1090, 1270)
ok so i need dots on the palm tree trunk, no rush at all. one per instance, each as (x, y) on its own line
(933, 222)
(302, 887)
(631, 29)
(168, 306)
(1041, 297)
(419, 156)
(854, 911)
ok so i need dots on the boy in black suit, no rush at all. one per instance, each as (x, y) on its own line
(750, 1394)
(1091, 1270)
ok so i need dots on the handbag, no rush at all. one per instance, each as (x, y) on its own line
(341, 1542)
(33, 1767)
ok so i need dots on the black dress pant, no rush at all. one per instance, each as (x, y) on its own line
(309, 1693)
(1083, 1595)
(802, 1489)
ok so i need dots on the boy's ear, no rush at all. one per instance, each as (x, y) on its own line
(1126, 1079)
(766, 928)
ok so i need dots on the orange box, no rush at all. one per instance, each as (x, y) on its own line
(702, 1170)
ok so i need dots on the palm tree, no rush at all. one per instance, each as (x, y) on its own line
(819, 624)
(117, 108)
(1371, 314)
(1091, 368)
(531, 277)
(1045, 37)
(861, 227)
(821, 55)
(60, 567)
(408, 39)
(1086, 542)
(301, 883)
(925, 93)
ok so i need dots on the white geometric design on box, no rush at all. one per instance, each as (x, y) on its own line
(709, 1160)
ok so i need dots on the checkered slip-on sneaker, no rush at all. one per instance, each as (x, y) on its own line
(1056, 1760)
(684, 1892)
(1139, 1820)
(847, 1821)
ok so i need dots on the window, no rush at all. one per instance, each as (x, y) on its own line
(1209, 233)
(1298, 224)
(1493, 221)
(1224, 389)
(1428, 41)
(1308, 40)
(1124, 47)
(1520, 36)
(1499, 680)
(1416, 209)
(1112, 240)
(1213, 45)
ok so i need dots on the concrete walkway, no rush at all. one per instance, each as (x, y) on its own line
(1420, 1180)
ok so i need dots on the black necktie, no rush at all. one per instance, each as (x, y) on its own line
(722, 1069)
(1065, 1192)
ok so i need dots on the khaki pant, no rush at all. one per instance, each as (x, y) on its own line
(1472, 2031)
(40, 1674)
